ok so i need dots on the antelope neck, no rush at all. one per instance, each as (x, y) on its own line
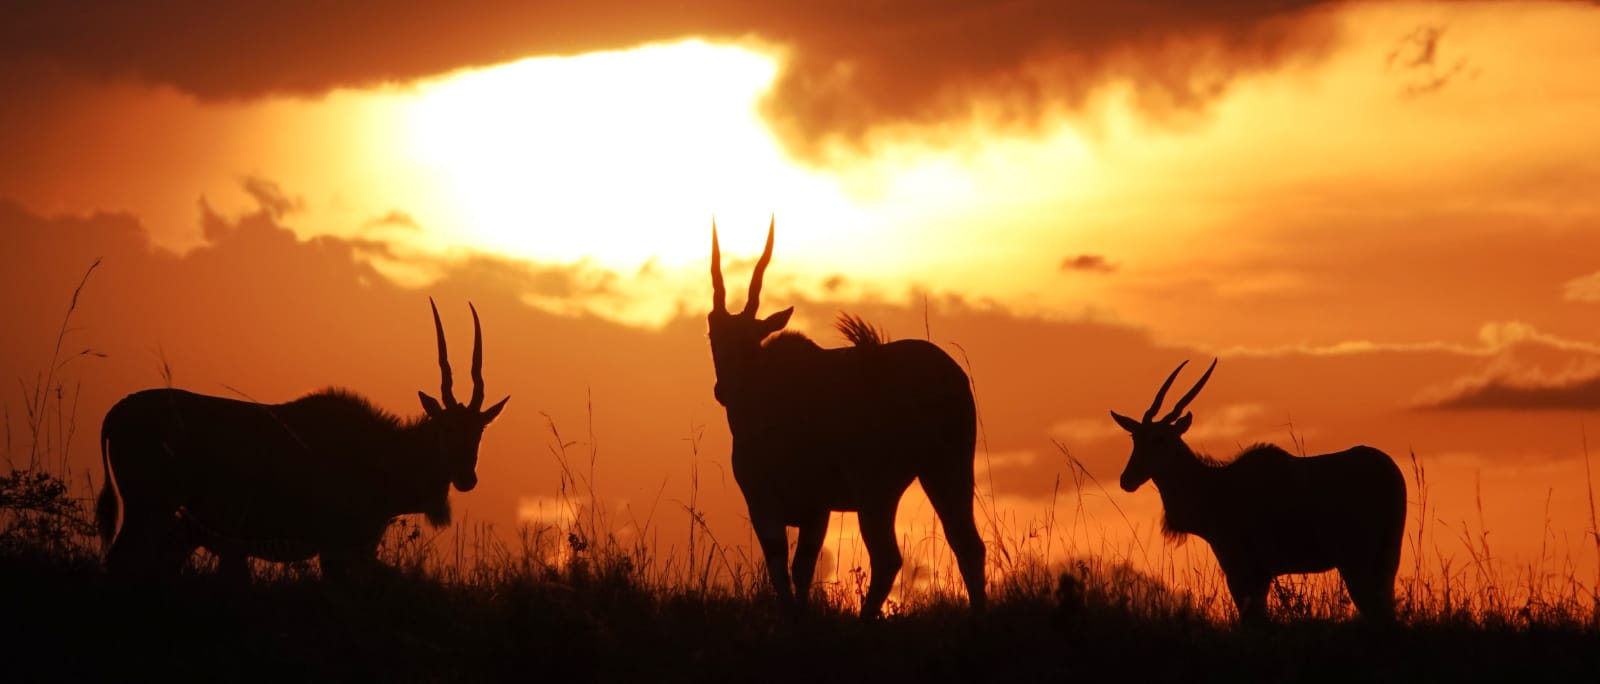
(418, 466)
(1186, 489)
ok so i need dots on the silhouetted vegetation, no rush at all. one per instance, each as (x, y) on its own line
(559, 608)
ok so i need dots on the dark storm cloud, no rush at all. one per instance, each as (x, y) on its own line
(851, 68)
(1013, 63)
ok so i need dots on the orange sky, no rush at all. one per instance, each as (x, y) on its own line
(1380, 217)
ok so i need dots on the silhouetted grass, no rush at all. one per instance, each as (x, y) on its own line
(600, 620)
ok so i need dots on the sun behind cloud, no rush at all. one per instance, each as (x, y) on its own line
(593, 156)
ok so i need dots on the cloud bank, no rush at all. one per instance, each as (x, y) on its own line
(1576, 394)
(850, 69)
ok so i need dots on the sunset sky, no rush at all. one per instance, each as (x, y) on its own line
(1382, 217)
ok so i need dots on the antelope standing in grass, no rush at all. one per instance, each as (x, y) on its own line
(321, 475)
(818, 430)
(1268, 513)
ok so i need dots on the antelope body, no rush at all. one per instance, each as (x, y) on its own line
(818, 430)
(322, 475)
(1268, 513)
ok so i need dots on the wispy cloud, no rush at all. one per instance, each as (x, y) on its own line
(1583, 288)
(394, 219)
(1493, 339)
(1077, 432)
(271, 197)
(1229, 423)
(1416, 61)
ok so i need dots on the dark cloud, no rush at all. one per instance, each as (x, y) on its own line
(263, 230)
(1093, 263)
(271, 197)
(1415, 60)
(1579, 393)
(851, 68)
(926, 64)
(394, 219)
(573, 281)
(650, 268)
(1418, 49)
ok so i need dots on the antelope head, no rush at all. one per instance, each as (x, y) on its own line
(460, 427)
(736, 338)
(1156, 443)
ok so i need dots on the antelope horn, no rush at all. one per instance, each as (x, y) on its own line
(752, 303)
(719, 294)
(477, 361)
(1184, 402)
(444, 361)
(1161, 396)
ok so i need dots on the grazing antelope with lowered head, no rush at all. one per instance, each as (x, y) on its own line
(322, 475)
(1268, 513)
(818, 430)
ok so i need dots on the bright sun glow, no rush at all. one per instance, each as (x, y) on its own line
(619, 161)
(619, 157)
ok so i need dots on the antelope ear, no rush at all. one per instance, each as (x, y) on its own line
(777, 321)
(489, 415)
(1182, 424)
(430, 405)
(1127, 423)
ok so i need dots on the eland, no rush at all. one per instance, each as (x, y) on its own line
(1268, 513)
(819, 430)
(322, 475)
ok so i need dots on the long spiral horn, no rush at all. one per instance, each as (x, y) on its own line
(754, 301)
(719, 293)
(477, 361)
(1184, 402)
(445, 381)
(1161, 395)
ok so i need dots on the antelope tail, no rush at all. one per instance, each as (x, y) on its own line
(105, 510)
(858, 331)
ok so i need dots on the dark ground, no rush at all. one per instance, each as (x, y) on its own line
(65, 621)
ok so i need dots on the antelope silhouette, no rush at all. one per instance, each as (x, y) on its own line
(818, 430)
(1268, 513)
(322, 475)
